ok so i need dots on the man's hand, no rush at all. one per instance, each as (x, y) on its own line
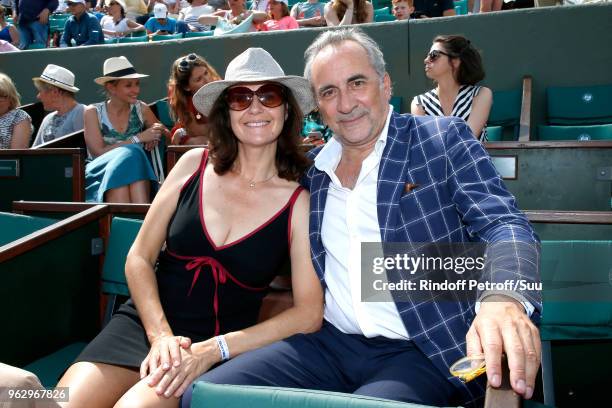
(502, 325)
(43, 17)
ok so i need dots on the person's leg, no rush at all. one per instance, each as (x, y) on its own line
(485, 6)
(40, 33)
(497, 5)
(143, 396)
(407, 375)
(25, 36)
(95, 385)
(140, 192)
(118, 195)
(16, 378)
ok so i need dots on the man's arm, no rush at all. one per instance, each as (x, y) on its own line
(490, 213)
(66, 35)
(94, 31)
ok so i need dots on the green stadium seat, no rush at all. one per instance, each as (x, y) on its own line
(382, 11)
(128, 40)
(196, 34)
(142, 33)
(238, 396)
(163, 113)
(111, 40)
(160, 37)
(577, 299)
(580, 107)
(505, 112)
(36, 46)
(461, 7)
(15, 226)
(379, 18)
(50, 368)
(378, 4)
(396, 102)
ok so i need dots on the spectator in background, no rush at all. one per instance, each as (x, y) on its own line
(490, 5)
(135, 10)
(191, 14)
(188, 74)
(116, 24)
(6, 46)
(344, 12)
(173, 6)
(402, 9)
(8, 32)
(116, 130)
(15, 124)
(279, 17)
(456, 68)
(229, 19)
(260, 5)
(32, 19)
(56, 91)
(309, 13)
(82, 27)
(160, 23)
(433, 8)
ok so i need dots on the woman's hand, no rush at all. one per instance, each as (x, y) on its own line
(148, 146)
(195, 360)
(153, 133)
(165, 352)
(347, 3)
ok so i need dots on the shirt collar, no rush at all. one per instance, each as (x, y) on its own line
(328, 158)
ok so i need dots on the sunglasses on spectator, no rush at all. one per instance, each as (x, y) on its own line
(241, 97)
(185, 63)
(435, 54)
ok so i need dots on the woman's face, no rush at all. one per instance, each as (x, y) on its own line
(276, 9)
(5, 103)
(114, 9)
(236, 4)
(438, 64)
(125, 90)
(198, 78)
(258, 125)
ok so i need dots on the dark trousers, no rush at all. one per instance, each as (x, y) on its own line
(334, 361)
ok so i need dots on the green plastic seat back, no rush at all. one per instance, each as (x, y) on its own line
(207, 395)
(196, 34)
(587, 105)
(160, 37)
(379, 18)
(506, 108)
(577, 290)
(592, 132)
(122, 236)
(461, 7)
(15, 226)
(494, 133)
(396, 102)
(127, 40)
(382, 11)
(163, 113)
(141, 33)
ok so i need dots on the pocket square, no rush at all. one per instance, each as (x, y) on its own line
(408, 187)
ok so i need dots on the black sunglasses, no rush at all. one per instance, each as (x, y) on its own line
(185, 63)
(241, 97)
(435, 54)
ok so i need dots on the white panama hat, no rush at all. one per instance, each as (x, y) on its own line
(117, 68)
(254, 65)
(59, 77)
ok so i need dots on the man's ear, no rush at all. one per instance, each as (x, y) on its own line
(387, 89)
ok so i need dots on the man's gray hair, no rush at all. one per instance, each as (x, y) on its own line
(335, 38)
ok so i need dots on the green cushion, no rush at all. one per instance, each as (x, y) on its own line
(123, 233)
(577, 294)
(49, 369)
(160, 37)
(195, 34)
(506, 108)
(379, 18)
(140, 39)
(163, 113)
(494, 133)
(15, 226)
(207, 395)
(593, 132)
(396, 102)
(579, 105)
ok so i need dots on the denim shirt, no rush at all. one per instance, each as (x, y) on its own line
(85, 31)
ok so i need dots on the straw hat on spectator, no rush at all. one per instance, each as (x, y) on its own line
(118, 68)
(121, 3)
(59, 77)
(254, 65)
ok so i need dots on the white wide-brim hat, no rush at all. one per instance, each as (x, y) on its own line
(59, 77)
(254, 65)
(118, 68)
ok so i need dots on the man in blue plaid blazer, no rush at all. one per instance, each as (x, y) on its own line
(387, 178)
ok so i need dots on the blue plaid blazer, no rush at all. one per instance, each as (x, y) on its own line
(459, 198)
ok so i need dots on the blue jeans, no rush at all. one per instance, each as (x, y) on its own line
(33, 33)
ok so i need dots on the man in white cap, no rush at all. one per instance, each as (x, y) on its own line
(82, 27)
(160, 23)
(56, 91)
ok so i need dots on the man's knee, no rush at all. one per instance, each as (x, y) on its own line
(14, 377)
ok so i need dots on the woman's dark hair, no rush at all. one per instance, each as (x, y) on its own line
(122, 11)
(358, 9)
(471, 70)
(290, 159)
(284, 10)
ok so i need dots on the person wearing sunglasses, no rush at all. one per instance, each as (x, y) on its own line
(188, 74)
(279, 17)
(345, 12)
(116, 23)
(229, 219)
(456, 68)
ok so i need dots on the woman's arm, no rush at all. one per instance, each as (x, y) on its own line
(14, 35)
(21, 135)
(331, 18)
(304, 316)
(134, 26)
(369, 12)
(481, 106)
(139, 266)
(415, 108)
(210, 19)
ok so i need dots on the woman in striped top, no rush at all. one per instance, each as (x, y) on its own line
(456, 67)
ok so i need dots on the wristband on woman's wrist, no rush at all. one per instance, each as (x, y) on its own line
(223, 349)
(135, 139)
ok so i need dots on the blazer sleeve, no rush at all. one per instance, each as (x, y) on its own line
(491, 215)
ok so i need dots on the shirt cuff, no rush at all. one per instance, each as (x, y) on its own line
(529, 308)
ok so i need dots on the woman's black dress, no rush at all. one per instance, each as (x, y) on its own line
(204, 290)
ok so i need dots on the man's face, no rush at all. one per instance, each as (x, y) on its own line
(48, 97)
(351, 98)
(76, 9)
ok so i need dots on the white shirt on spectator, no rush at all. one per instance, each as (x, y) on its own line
(108, 24)
(190, 16)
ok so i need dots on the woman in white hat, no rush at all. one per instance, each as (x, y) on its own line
(116, 131)
(230, 218)
(56, 91)
(115, 23)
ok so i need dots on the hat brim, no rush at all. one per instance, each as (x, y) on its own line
(206, 96)
(60, 85)
(104, 79)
